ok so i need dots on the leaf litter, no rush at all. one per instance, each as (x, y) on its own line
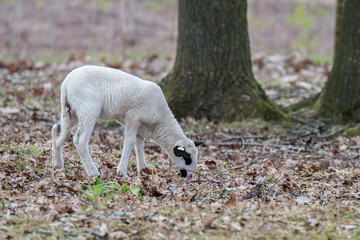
(255, 179)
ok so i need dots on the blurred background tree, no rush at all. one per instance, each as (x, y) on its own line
(43, 30)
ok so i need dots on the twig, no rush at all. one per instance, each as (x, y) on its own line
(175, 188)
(45, 170)
(201, 181)
(240, 137)
(86, 202)
(271, 201)
(276, 97)
(49, 232)
(226, 170)
(277, 181)
(259, 145)
(242, 148)
(42, 177)
(218, 174)
(172, 191)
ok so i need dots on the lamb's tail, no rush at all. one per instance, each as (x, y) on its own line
(61, 130)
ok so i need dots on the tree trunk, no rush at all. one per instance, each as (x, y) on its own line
(212, 74)
(338, 23)
(340, 98)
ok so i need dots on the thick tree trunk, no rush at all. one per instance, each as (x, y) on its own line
(212, 75)
(340, 98)
(338, 22)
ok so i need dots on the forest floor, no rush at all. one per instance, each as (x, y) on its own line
(256, 180)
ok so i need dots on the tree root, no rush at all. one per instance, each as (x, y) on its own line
(307, 102)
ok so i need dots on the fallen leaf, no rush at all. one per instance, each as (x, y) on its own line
(232, 201)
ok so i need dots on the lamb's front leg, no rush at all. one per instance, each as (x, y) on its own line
(140, 157)
(129, 142)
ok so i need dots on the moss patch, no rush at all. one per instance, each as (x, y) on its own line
(352, 132)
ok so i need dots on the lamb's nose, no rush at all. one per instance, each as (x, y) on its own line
(183, 173)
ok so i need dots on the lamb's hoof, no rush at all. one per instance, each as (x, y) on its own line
(58, 166)
(95, 174)
(122, 173)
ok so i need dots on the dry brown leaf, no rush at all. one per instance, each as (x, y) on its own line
(232, 201)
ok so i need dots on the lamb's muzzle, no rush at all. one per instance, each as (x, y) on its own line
(89, 93)
(183, 172)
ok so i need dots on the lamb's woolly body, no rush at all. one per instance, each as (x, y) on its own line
(91, 92)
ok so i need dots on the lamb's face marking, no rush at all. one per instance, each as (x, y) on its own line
(181, 152)
(186, 155)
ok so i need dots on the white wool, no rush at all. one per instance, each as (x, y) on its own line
(91, 92)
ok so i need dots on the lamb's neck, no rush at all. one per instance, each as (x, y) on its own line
(167, 133)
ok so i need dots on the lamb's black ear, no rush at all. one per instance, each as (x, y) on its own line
(179, 151)
(198, 143)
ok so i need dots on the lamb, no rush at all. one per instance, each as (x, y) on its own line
(89, 93)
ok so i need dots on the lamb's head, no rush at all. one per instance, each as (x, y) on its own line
(186, 156)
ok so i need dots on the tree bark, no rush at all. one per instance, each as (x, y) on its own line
(212, 74)
(340, 98)
(338, 22)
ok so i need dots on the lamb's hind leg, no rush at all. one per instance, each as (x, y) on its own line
(57, 141)
(140, 156)
(56, 150)
(81, 141)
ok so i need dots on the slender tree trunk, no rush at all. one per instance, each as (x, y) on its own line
(212, 74)
(340, 98)
(338, 23)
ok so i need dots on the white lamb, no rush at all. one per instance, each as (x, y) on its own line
(91, 92)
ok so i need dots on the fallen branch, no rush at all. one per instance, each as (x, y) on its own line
(201, 181)
(49, 232)
(259, 145)
(240, 137)
(340, 130)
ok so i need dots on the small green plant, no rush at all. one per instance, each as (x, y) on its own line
(135, 190)
(3, 204)
(4, 148)
(18, 152)
(154, 162)
(104, 190)
(270, 179)
(100, 192)
(33, 150)
(39, 168)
